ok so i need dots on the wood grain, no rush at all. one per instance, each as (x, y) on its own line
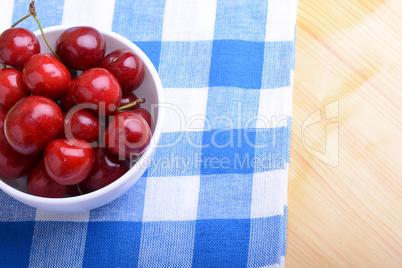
(345, 208)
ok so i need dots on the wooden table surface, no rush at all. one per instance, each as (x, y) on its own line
(344, 207)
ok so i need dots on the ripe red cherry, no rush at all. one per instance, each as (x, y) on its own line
(68, 162)
(68, 101)
(40, 184)
(81, 48)
(3, 113)
(98, 86)
(128, 135)
(12, 88)
(107, 169)
(13, 164)
(32, 123)
(45, 75)
(17, 45)
(144, 114)
(81, 124)
(127, 67)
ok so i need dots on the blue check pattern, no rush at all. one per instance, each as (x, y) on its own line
(215, 195)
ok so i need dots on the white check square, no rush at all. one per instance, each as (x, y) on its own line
(274, 107)
(6, 15)
(269, 195)
(43, 215)
(90, 13)
(190, 20)
(171, 198)
(281, 20)
(185, 109)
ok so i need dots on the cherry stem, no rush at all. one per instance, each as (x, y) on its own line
(33, 13)
(79, 189)
(22, 19)
(4, 66)
(138, 101)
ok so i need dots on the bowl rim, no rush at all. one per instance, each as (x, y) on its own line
(147, 155)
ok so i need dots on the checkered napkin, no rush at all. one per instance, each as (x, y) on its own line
(215, 194)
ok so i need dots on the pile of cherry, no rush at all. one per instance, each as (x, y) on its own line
(71, 134)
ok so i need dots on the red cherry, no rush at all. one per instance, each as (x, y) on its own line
(81, 124)
(13, 164)
(69, 162)
(127, 135)
(32, 123)
(45, 75)
(98, 86)
(81, 48)
(127, 98)
(3, 113)
(127, 67)
(144, 114)
(12, 88)
(39, 183)
(68, 101)
(17, 45)
(107, 169)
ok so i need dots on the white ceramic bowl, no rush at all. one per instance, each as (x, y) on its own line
(151, 89)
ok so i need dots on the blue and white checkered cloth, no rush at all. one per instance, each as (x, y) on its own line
(215, 194)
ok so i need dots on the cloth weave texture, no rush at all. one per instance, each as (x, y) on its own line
(215, 194)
